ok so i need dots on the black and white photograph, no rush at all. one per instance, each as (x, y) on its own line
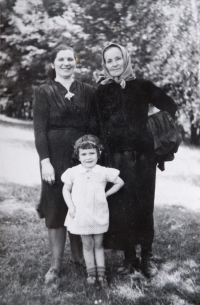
(100, 152)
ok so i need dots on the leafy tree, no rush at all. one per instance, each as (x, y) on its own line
(160, 35)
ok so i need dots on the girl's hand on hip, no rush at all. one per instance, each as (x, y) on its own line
(72, 211)
(48, 172)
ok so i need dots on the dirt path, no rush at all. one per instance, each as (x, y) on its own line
(19, 162)
(179, 184)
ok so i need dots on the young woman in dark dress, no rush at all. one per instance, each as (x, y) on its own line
(61, 116)
(122, 103)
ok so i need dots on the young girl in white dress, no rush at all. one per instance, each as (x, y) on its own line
(85, 196)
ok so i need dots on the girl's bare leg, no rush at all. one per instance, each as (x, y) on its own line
(88, 253)
(88, 250)
(100, 259)
(99, 250)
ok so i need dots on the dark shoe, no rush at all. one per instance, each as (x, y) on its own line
(148, 268)
(129, 267)
(80, 263)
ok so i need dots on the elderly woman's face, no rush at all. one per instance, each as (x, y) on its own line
(64, 63)
(114, 61)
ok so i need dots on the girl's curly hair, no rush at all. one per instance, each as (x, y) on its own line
(87, 142)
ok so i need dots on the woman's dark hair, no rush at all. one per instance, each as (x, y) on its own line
(53, 55)
(87, 142)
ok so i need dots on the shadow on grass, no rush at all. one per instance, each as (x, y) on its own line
(25, 258)
(19, 192)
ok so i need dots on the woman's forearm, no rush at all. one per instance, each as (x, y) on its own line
(116, 187)
(160, 99)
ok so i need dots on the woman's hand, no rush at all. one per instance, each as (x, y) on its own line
(48, 172)
(72, 211)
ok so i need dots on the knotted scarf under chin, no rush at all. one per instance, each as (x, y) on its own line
(104, 81)
(121, 82)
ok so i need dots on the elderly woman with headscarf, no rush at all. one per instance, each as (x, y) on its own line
(122, 104)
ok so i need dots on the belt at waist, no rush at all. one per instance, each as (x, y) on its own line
(65, 128)
(135, 155)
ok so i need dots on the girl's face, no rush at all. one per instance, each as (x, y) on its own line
(114, 61)
(88, 157)
(64, 64)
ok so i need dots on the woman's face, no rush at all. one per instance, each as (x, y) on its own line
(114, 61)
(64, 63)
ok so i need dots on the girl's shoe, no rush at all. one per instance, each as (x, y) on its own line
(91, 279)
(102, 281)
(51, 275)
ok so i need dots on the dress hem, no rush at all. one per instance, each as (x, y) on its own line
(101, 231)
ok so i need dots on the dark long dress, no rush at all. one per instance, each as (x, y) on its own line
(58, 123)
(122, 115)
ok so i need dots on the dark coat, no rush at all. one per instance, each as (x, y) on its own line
(58, 123)
(121, 115)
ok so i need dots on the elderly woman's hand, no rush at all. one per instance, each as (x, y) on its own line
(48, 173)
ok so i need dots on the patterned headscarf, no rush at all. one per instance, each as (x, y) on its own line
(105, 78)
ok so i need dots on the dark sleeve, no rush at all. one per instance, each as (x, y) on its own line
(160, 99)
(41, 123)
(94, 120)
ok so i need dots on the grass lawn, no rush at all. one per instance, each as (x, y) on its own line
(25, 259)
(24, 249)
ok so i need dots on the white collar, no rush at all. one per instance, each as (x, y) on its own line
(96, 169)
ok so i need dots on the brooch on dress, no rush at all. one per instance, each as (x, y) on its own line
(69, 94)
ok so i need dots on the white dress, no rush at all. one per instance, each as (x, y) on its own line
(88, 196)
